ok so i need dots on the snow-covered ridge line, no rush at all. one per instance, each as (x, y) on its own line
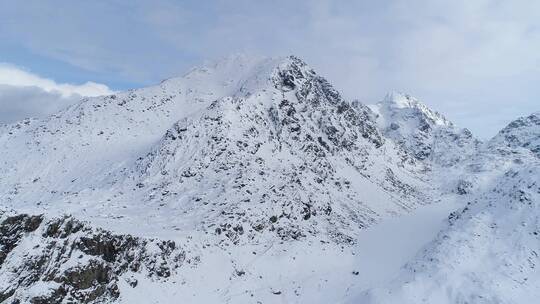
(523, 132)
(425, 133)
(247, 163)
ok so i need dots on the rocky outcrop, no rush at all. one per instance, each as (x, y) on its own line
(275, 161)
(523, 132)
(63, 260)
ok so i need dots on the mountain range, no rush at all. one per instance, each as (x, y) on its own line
(252, 180)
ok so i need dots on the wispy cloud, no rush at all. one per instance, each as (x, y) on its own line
(25, 94)
(11, 75)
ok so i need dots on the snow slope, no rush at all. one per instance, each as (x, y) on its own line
(488, 253)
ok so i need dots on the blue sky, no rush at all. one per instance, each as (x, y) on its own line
(475, 61)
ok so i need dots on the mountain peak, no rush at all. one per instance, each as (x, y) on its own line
(405, 104)
(239, 75)
(424, 132)
(523, 132)
(399, 100)
(240, 63)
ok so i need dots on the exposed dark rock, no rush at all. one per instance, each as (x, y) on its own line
(98, 257)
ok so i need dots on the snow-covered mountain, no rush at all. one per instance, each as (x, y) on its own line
(488, 253)
(253, 180)
(245, 151)
(249, 132)
(523, 132)
(425, 133)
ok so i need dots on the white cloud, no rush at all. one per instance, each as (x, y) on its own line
(24, 94)
(13, 76)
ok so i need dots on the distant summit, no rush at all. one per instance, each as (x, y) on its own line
(523, 132)
(422, 131)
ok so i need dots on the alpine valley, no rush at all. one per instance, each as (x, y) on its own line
(252, 180)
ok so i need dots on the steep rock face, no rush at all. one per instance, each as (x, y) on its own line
(292, 159)
(425, 133)
(62, 260)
